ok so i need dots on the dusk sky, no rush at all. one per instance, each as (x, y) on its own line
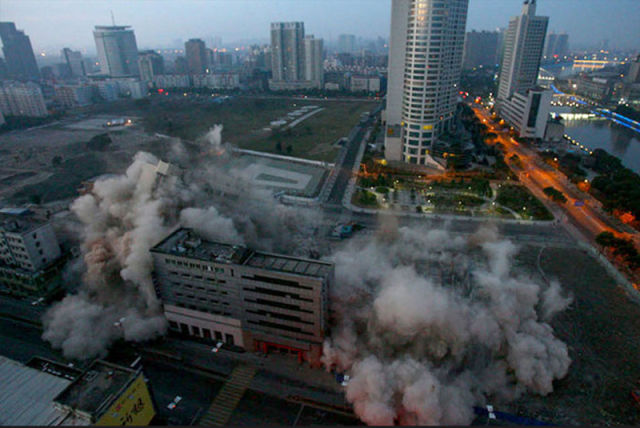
(159, 23)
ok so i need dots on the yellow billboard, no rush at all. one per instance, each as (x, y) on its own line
(133, 407)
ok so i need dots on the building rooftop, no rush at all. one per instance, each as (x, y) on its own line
(15, 224)
(186, 243)
(26, 395)
(93, 392)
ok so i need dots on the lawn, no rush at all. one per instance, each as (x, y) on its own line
(519, 199)
(244, 120)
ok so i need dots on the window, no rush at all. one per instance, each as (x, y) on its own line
(195, 330)
(218, 336)
(229, 339)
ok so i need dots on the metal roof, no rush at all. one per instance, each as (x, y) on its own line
(26, 395)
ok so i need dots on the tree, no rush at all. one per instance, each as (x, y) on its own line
(289, 149)
(56, 161)
(279, 146)
(555, 194)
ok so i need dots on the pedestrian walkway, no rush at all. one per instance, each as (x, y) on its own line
(229, 396)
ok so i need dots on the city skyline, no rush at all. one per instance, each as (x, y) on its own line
(69, 23)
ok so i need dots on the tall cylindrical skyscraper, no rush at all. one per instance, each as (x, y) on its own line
(425, 61)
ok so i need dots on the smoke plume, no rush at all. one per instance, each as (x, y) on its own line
(124, 216)
(429, 325)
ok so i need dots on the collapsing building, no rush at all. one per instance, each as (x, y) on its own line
(257, 301)
(48, 393)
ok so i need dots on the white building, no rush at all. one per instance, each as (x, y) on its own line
(528, 113)
(217, 80)
(117, 50)
(172, 81)
(313, 60)
(22, 99)
(425, 62)
(523, 48)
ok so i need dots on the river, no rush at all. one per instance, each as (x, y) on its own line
(603, 134)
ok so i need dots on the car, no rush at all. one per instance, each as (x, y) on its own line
(171, 406)
(177, 399)
(37, 302)
(345, 381)
(217, 347)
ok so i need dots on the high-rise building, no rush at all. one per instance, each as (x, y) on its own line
(425, 61)
(150, 64)
(520, 102)
(196, 54)
(480, 49)
(246, 298)
(633, 76)
(523, 44)
(346, 43)
(74, 62)
(287, 51)
(117, 50)
(313, 60)
(556, 46)
(18, 53)
(22, 99)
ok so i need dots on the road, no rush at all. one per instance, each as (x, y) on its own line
(346, 168)
(585, 221)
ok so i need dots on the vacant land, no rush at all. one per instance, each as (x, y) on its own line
(245, 120)
(601, 329)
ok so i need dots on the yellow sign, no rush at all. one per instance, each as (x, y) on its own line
(133, 407)
(427, 127)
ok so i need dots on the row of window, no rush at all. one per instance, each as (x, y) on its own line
(193, 265)
(204, 333)
(208, 310)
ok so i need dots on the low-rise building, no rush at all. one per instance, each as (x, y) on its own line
(172, 81)
(527, 113)
(217, 80)
(30, 256)
(255, 300)
(74, 95)
(48, 393)
(364, 83)
(22, 99)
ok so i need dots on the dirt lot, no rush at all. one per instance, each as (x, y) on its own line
(602, 330)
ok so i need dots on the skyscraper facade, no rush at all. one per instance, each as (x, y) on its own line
(287, 51)
(523, 104)
(425, 61)
(117, 50)
(150, 64)
(196, 54)
(74, 62)
(556, 46)
(18, 53)
(313, 62)
(523, 44)
(346, 43)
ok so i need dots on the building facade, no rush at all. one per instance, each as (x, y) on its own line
(18, 53)
(22, 99)
(150, 64)
(30, 257)
(517, 89)
(528, 113)
(425, 62)
(254, 300)
(346, 43)
(74, 61)
(196, 54)
(117, 50)
(287, 51)
(556, 46)
(313, 60)
(523, 45)
(74, 95)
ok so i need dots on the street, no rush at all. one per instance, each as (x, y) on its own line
(584, 222)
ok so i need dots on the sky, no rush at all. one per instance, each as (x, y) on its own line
(52, 24)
